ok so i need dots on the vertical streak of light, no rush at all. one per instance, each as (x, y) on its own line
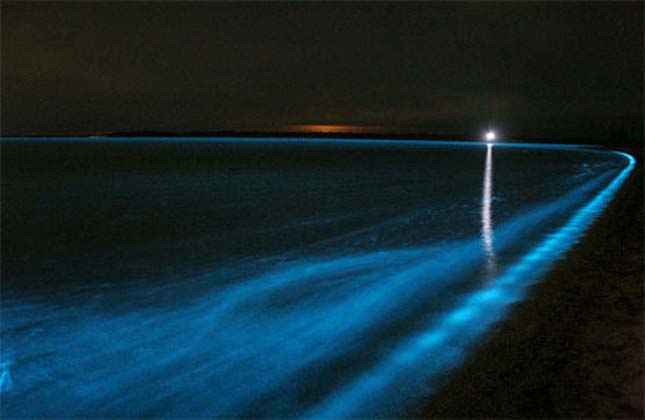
(446, 341)
(486, 213)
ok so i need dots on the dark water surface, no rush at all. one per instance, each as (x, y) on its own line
(266, 278)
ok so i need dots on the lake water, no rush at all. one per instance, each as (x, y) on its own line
(267, 277)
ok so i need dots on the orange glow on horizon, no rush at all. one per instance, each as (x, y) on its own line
(332, 128)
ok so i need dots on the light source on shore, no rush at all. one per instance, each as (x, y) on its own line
(490, 136)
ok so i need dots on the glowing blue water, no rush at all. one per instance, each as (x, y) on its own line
(339, 327)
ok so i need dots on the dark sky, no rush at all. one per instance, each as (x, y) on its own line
(542, 69)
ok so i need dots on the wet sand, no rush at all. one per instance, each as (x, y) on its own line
(574, 347)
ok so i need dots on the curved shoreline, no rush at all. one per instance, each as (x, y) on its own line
(573, 347)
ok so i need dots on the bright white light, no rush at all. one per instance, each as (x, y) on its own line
(486, 213)
(490, 136)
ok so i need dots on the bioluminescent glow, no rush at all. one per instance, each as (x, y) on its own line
(474, 315)
(6, 383)
(303, 141)
(486, 214)
(342, 330)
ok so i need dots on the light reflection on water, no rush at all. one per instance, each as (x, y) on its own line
(355, 334)
(444, 343)
(486, 212)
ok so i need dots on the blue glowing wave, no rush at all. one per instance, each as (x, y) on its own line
(474, 315)
(336, 336)
(302, 141)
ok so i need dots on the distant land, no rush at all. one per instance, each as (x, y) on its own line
(618, 138)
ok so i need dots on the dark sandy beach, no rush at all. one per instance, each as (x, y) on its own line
(574, 348)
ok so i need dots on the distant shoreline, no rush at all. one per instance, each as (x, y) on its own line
(606, 142)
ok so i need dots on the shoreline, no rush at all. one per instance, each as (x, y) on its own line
(574, 347)
(616, 143)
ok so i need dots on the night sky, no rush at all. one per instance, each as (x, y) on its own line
(529, 69)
